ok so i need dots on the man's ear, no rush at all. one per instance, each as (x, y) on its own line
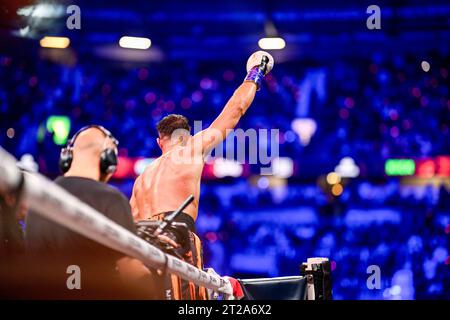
(184, 139)
(158, 141)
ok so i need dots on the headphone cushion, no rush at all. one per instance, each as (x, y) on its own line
(65, 160)
(108, 161)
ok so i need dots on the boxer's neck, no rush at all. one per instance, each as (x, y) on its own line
(170, 146)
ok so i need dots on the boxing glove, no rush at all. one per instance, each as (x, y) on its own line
(259, 64)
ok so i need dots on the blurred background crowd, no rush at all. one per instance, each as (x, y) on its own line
(363, 170)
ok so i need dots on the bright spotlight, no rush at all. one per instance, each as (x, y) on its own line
(305, 129)
(337, 189)
(347, 168)
(141, 164)
(227, 168)
(275, 43)
(333, 178)
(55, 42)
(43, 10)
(135, 43)
(283, 167)
(425, 66)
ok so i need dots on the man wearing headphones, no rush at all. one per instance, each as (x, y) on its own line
(88, 161)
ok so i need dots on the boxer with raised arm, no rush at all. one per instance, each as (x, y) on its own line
(176, 174)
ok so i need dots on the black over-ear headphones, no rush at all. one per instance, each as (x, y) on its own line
(108, 157)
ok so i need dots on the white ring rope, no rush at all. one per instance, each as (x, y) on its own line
(54, 203)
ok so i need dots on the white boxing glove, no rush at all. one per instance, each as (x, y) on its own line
(259, 64)
(256, 58)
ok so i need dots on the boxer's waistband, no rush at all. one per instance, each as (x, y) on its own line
(182, 217)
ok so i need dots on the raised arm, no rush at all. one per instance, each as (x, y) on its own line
(258, 65)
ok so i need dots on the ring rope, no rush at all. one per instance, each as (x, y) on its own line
(54, 203)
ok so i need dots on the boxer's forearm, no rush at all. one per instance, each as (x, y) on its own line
(258, 65)
(235, 108)
(227, 119)
(241, 99)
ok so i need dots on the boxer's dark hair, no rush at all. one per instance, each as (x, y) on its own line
(167, 125)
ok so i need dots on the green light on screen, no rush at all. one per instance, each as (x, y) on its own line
(400, 167)
(60, 127)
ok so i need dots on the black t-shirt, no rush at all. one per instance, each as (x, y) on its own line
(59, 246)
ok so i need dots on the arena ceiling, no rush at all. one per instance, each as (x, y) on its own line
(205, 29)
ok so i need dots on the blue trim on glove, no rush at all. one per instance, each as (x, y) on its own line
(255, 75)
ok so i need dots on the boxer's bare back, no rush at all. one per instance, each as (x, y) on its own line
(166, 183)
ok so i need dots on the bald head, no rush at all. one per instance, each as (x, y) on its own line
(91, 141)
(88, 146)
